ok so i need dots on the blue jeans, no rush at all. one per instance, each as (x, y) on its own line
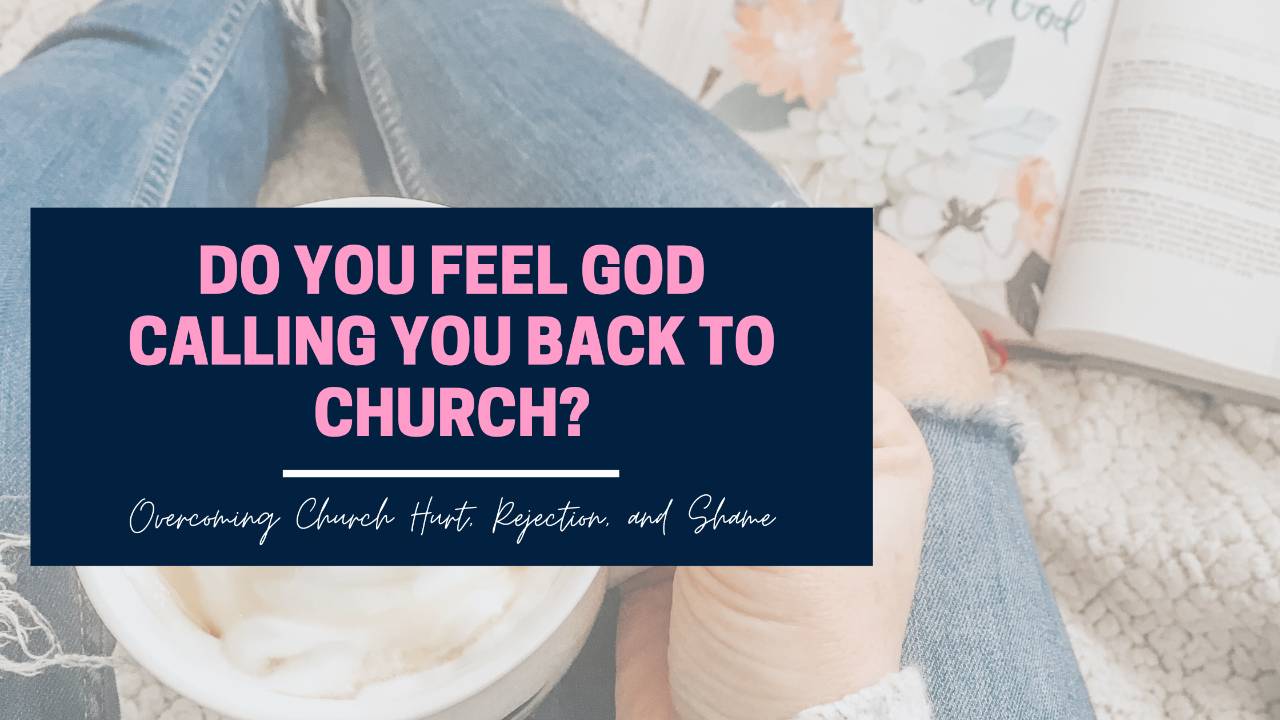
(467, 103)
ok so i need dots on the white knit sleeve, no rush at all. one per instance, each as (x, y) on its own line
(900, 696)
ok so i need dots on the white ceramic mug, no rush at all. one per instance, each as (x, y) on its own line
(503, 681)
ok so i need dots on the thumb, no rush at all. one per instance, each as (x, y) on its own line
(642, 690)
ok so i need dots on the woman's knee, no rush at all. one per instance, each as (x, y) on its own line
(923, 348)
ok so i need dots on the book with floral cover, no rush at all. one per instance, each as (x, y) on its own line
(1087, 177)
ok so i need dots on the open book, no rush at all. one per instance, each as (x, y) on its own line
(1088, 177)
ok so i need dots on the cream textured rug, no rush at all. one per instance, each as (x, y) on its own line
(1157, 511)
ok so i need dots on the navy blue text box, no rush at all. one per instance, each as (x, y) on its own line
(122, 453)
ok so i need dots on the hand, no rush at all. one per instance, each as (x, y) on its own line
(765, 643)
(755, 643)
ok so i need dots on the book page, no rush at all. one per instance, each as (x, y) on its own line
(957, 120)
(985, 218)
(1171, 242)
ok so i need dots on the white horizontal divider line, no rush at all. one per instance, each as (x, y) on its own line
(436, 473)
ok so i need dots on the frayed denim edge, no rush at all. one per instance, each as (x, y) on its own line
(987, 423)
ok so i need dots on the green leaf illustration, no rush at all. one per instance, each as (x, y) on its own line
(991, 63)
(742, 108)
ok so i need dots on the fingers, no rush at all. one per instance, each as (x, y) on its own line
(923, 348)
(646, 577)
(642, 690)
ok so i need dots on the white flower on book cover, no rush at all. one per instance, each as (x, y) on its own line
(858, 119)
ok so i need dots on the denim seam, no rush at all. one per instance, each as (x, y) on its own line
(197, 85)
(385, 107)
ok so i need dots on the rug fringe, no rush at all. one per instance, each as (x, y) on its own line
(305, 16)
(24, 628)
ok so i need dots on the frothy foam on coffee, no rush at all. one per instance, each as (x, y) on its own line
(330, 631)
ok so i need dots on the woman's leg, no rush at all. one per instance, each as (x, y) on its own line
(518, 103)
(984, 627)
(514, 102)
(131, 104)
